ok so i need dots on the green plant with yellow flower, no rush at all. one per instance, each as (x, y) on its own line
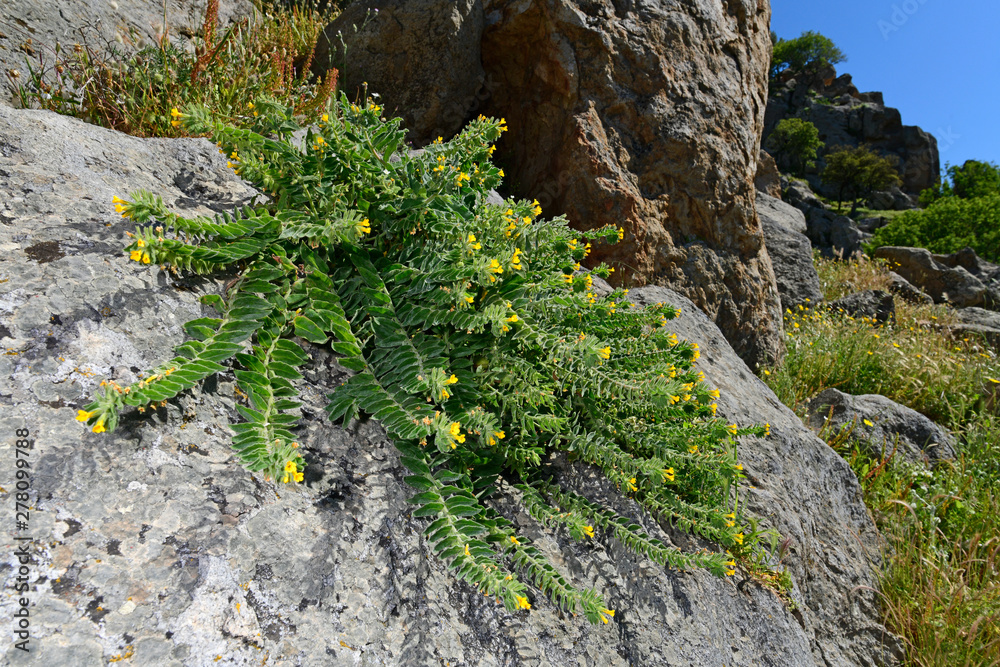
(472, 335)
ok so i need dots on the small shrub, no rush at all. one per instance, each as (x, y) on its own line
(794, 143)
(973, 179)
(133, 90)
(473, 338)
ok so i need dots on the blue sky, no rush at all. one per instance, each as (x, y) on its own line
(937, 61)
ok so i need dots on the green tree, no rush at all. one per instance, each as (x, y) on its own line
(972, 180)
(947, 226)
(805, 53)
(857, 172)
(794, 143)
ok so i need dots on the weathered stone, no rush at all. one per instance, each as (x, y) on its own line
(845, 117)
(422, 57)
(32, 29)
(154, 542)
(977, 324)
(834, 235)
(901, 287)
(646, 116)
(877, 306)
(768, 178)
(798, 193)
(877, 422)
(893, 199)
(790, 252)
(952, 284)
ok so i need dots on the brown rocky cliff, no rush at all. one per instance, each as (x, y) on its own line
(647, 117)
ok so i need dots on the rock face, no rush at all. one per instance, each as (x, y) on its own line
(33, 28)
(902, 288)
(978, 323)
(646, 116)
(960, 279)
(422, 58)
(790, 252)
(919, 439)
(834, 235)
(846, 117)
(877, 306)
(768, 178)
(153, 542)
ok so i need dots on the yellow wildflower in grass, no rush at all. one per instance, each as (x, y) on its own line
(469, 299)
(135, 255)
(452, 380)
(631, 485)
(621, 233)
(732, 428)
(83, 415)
(604, 353)
(731, 564)
(738, 538)
(445, 395)
(668, 475)
(500, 435)
(588, 531)
(568, 279)
(299, 476)
(513, 318)
(739, 466)
(868, 423)
(767, 429)
(693, 449)
(290, 466)
(467, 550)
(99, 426)
(471, 240)
(730, 520)
(363, 227)
(522, 602)
(993, 380)
(145, 258)
(325, 118)
(495, 266)
(537, 208)
(513, 540)
(714, 393)
(606, 614)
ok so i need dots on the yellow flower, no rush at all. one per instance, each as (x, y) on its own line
(731, 520)
(451, 380)
(621, 233)
(513, 318)
(631, 485)
(513, 540)
(325, 117)
(568, 279)
(445, 395)
(99, 426)
(145, 258)
(83, 415)
(537, 210)
(588, 531)
(290, 466)
(868, 423)
(284, 480)
(605, 353)
(469, 299)
(500, 435)
(668, 475)
(135, 255)
(299, 476)
(467, 550)
(767, 429)
(732, 568)
(606, 614)
(714, 393)
(495, 266)
(739, 466)
(363, 227)
(522, 602)
(738, 538)
(501, 173)
(693, 449)
(993, 380)
(732, 428)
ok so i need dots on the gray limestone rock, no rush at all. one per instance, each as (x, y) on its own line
(945, 280)
(877, 422)
(877, 306)
(154, 542)
(901, 287)
(790, 251)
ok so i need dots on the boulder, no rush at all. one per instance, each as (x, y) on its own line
(902, 288)
(790, 252)
(977, 323)
(646, 116)
(421, 57)
(32, 29)
(877, 422)
(834, 235)
(943, 277)
(846, 117)
(799, 194)
(153, 542)
(768, 178)
(874, 305)
(893, 199)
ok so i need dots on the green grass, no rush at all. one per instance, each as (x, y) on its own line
(941, 583)
(133, 90)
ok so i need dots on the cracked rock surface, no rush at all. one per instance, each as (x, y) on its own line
(152, 545)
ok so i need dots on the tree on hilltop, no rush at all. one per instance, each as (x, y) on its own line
(806, 53)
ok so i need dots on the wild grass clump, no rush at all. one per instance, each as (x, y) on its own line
(228, 70)
(941, 583)
(913, 361)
